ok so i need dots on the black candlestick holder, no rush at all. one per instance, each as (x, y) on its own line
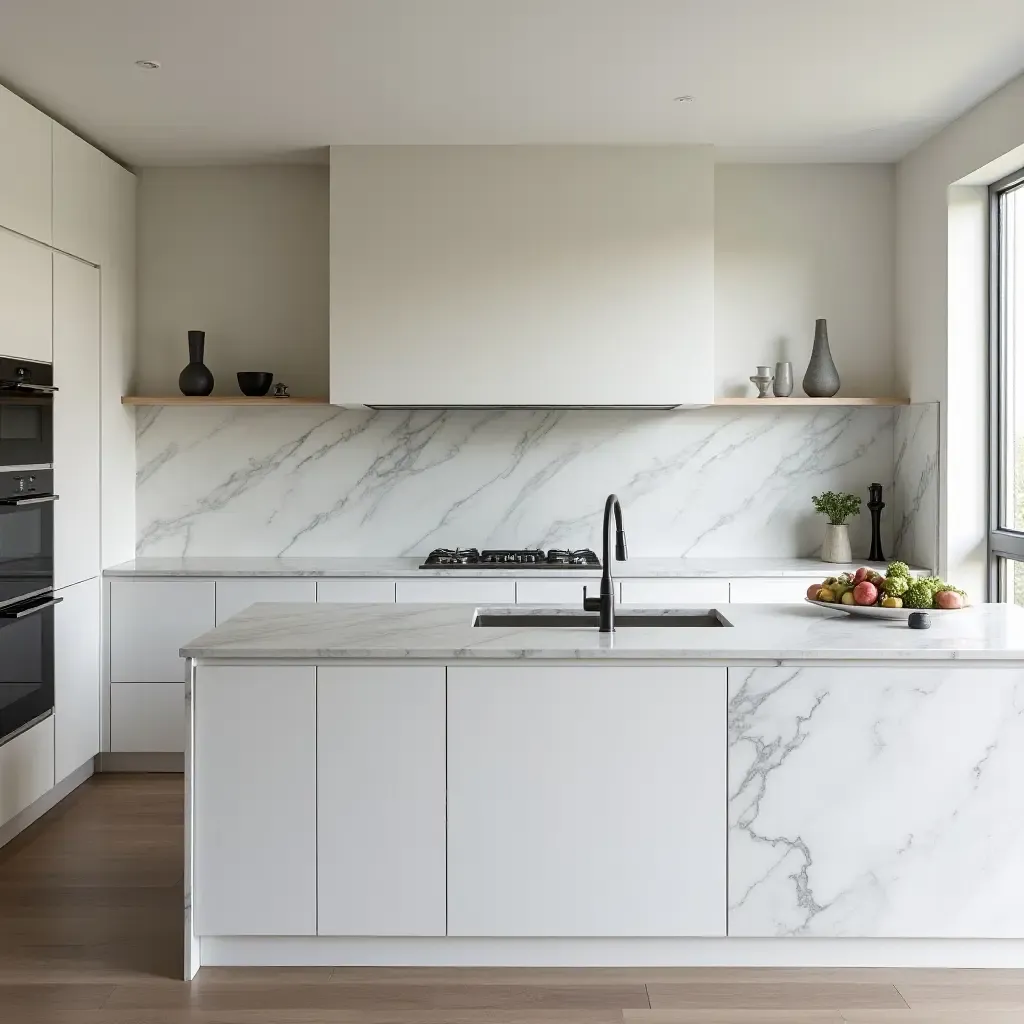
(875, 504)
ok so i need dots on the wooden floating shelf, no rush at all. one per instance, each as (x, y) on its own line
(766, 402)
(219, 400)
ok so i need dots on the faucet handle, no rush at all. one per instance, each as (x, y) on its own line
(590, 604)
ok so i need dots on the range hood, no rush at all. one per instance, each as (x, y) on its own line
(522, 277)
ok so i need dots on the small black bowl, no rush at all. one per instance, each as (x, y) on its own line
(253, 383)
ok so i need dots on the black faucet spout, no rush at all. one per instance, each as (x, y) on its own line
(605, 604)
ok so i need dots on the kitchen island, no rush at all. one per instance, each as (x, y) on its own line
(375, 784)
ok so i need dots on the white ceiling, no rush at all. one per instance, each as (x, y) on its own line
(253, 80)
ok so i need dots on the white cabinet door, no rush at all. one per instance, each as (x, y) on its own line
(149, 622)
(356, 591)
(76, 733)
(81, 182)
(786, 590)
(234, 596)
(586, 801)
(668, 593)
(25, 158)
(76, 420)
(147, 718)
(447, 591)
(255, 801)
(381, 794)
(26, 299)
(26, 769)
(567, 593)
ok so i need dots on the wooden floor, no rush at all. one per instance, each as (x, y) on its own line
(90, 933)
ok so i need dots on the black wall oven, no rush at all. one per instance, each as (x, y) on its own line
(26, 413)
(27, 599)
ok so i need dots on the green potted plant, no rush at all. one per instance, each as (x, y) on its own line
(838, 508)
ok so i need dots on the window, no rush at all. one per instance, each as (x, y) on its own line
(1006, 391)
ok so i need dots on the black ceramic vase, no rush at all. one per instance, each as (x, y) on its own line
(196, 378)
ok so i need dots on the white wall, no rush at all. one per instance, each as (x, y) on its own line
(794, 243)
(242, 253)
(940, 273)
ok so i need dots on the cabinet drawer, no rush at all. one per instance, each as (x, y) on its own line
(234, 596)
(666, 593)
(26, 769)
(568, 593)
(149, 621)
(356, 591)
(456, 591)
(768, 591)
(147, 718)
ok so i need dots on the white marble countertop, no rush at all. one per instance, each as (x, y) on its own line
(775, 634)
(634, 568)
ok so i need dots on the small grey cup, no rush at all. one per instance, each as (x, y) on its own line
(783, 386)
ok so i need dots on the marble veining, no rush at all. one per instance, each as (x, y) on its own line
(915, 505)
(346, 482)
(795, 633)
(856, 795)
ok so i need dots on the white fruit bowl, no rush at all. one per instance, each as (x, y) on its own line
(875, 612)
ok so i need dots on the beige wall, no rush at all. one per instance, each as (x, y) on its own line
(242, 253)
(794, 243)
(941, 324)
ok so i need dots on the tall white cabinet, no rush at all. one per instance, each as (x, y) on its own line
(76, 420)
(67, 282)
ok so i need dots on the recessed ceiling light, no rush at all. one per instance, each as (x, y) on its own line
(147, 65)
(684, 99)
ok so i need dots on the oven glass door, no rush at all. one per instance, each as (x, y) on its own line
(26, 535)
(26, 663)
(26, 429)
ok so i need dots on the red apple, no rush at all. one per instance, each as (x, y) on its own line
(865, 593)
(812, 591)
(861, 575)
(948, 599)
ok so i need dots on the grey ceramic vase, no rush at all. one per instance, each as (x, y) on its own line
(783, 386)
(196, 379)
(822, 378)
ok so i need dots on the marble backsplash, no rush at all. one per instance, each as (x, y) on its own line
(712, 482)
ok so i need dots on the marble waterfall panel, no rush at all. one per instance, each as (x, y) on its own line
(322, 481)
(876, 802)
(915, 503)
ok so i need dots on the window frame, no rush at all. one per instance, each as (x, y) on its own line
(1003, 544)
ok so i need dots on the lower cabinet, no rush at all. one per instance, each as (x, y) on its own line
(255, 801)
(234, 596)
(356, 591)
(785, 590)
(666, 593)
(882, 802)
(147, 718)
(586, 801)
(381, 800)
(76, 670)
(449, 591)
(26, 769)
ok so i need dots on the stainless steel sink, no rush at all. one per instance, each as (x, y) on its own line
(519, 619)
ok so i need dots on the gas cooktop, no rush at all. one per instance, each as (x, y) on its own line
(512, 558)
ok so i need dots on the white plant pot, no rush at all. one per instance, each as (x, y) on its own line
(837, 545)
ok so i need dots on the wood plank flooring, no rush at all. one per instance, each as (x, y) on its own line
(90, 933)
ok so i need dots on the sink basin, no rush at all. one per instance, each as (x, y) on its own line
(585, 620)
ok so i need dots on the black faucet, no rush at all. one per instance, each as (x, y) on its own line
(605, 604)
